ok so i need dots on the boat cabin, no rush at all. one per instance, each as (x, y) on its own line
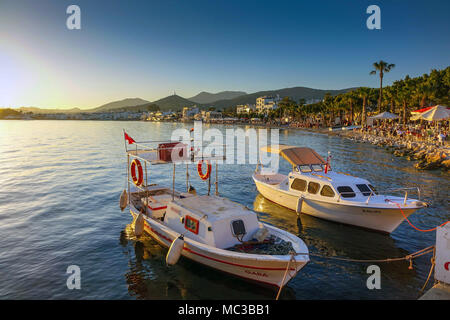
(312, 176)
(212, 220)
(333, 185)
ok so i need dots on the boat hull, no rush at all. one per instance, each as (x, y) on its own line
(384, 220)
(268, 271)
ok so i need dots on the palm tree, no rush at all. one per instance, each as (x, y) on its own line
(389, 94)
(364, 93)
(381, 67)
(350, 98)
(423, 93)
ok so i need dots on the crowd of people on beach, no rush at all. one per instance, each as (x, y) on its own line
(427, 133)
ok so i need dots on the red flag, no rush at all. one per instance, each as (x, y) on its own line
(327, 165)
(128, 138)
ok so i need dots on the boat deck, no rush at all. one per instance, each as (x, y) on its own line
(271, 246)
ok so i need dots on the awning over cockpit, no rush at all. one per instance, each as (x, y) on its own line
(295, 155)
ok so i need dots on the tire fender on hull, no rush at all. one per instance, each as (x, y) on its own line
(139, 225)
(123, 202)
(174, 253)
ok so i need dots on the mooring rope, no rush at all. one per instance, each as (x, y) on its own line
(408, 257)
(293, 254)
(433, 263)
(406, 218)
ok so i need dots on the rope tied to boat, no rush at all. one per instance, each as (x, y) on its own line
(410, 223)
(409, 258)
(293, 254)
(433, 264)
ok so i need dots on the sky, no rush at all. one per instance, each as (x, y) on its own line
(149, 49)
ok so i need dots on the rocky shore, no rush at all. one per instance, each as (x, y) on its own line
(427, 156)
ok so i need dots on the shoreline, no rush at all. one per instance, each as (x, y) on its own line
(427, 156)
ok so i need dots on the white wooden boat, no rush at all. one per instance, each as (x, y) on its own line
(215, 231)
(313, 188)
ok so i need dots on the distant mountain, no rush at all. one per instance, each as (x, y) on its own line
(129, 102)
(173, 103)
(206, 97)
(295, 94)
(176, 103)
(39, 110)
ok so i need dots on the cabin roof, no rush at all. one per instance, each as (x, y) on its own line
(296, 155)
(334, 178)
(216, 208)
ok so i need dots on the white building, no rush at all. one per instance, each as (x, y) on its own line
(213, 115)
(189, 112)
(245, 108)
(266, 103)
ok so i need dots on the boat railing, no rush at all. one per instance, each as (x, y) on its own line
(195, 152)
(373, 193)
(149, 153)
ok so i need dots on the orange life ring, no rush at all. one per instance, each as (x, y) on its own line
(203, 176)
(139, 178)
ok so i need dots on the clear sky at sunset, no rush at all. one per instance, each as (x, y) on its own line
(148, 49)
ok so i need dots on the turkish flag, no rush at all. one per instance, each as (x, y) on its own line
(128, 138)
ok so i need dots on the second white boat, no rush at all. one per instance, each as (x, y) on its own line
(312, 188)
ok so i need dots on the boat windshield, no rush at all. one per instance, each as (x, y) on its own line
(317, 167)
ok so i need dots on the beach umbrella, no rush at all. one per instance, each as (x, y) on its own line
(419, 111)
(436, 113)
(385, 115)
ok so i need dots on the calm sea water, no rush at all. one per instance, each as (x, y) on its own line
(60, 183)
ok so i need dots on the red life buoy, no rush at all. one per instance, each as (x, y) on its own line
(139, 178)
(203, 176)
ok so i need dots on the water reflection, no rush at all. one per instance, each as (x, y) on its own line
(148, 276)
(332, 239)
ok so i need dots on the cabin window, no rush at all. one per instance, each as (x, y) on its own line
(327, 191)
(299, 185)
(373, 189)
(346, 192)
(305, 168)
(313, 187)
(317, 167)
(364, 189)
(191, 224)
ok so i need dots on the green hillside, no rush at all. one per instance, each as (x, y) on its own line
(295, 94)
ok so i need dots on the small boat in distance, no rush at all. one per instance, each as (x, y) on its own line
(313, 188)
(207, 229)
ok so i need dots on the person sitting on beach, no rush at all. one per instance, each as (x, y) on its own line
(441, 138)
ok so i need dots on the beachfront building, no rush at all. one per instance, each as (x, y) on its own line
(212, 116)
(190, 112)
(245, 108)
(265, 104)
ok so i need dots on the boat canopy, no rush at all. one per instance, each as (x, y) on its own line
(297, 156)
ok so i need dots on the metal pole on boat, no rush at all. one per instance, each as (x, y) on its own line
(124, 141)
(217, 180)
(146, 189)
(187, 177)
(128, 177)
(209, 185)
(173, 182)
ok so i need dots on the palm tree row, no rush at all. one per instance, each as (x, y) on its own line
(401, 97)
